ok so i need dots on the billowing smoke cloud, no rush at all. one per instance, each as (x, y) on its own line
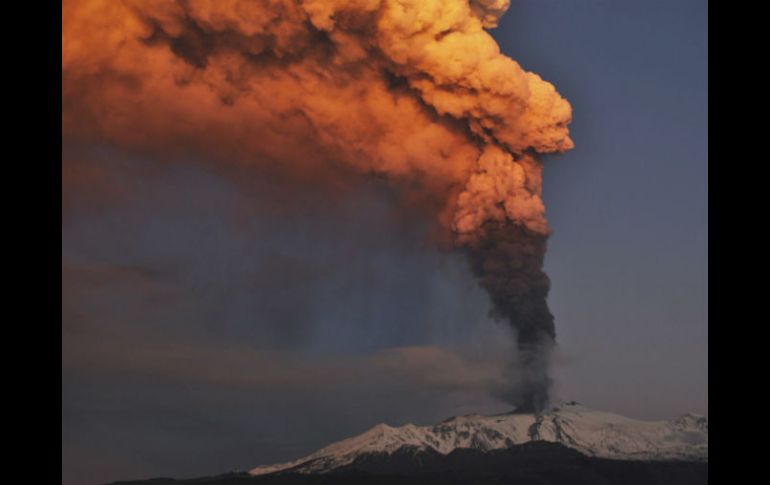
(415, 91)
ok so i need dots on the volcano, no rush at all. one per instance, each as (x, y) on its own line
(566, 444)
(591, 433)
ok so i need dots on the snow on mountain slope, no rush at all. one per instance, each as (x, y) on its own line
(594, 433)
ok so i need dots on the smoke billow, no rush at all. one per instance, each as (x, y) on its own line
(415, 91)
(508, 260)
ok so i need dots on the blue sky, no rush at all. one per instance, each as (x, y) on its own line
(629, 205)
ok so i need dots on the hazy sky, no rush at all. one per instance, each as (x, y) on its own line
(209, 326)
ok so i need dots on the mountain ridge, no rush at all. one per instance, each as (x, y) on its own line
(593, 433)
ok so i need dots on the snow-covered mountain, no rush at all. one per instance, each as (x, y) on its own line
(592, 433)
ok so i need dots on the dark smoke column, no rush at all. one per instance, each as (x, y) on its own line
(508, 260)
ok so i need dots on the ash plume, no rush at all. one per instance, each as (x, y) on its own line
(317, 91)
(508, 260)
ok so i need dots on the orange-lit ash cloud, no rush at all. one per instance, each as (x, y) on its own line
(414, 90)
